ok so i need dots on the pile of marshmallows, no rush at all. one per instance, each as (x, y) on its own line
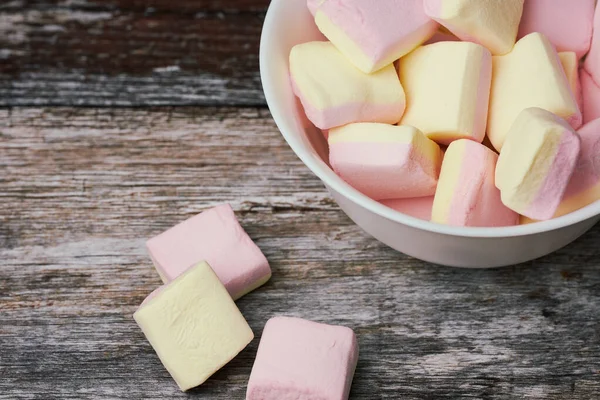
(195, 327)
(478, 132)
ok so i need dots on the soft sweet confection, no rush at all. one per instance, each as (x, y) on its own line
(335, 93)
(466, 194)
(570, 64)
(214, 236)
(374, 33)
(566, 23)
(491, 23)
(418, 207)
(536, 163)
(194, 326)
(592, 61)
(303, 360)
(385, 161)
(447, 85)
(584, 186)
(591, 97)
(531, 75)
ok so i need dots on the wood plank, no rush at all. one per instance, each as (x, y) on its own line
(130, 52)
(83, 188)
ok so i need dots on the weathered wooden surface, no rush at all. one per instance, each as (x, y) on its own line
(82, 188)
(130, 52)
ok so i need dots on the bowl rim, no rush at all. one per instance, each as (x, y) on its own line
(334, 182)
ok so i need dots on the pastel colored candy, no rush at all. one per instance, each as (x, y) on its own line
(448, 87)
(531, 75)
(570, 64)
(214, 236)
(385, 161)
(374, 33)
(592, 61)
(566, 23)
(536, 163)
(313, 5)
(417, 207)
(299, 359)
(194, 326)
(584, 186)
(491, 23)
(334, 93)
(466, 194)
(591, 97)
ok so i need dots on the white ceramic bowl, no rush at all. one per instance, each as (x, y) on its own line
(288, 22)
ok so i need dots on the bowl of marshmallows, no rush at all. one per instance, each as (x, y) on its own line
(460, 132)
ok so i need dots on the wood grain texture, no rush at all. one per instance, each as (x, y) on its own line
(83, 188)
(130, 52)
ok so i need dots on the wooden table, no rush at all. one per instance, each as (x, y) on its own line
(120, 118)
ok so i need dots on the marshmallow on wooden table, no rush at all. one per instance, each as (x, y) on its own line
(374, 33)
(447, 86)
(531, 75)
(536, 163)
(466, 194)
(584, 186)
(300, 359)
(417, 207)
(491, 23)
(570, 64)
(566, 23)
(335, 93)
(385, 161)
(591, 97)
(214, 236)
(194, 326)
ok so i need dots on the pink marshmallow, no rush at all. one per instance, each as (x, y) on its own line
(214, 236)
(566, 23)
(417, 207)
(385, 161)
(591, 97)
(584, 186)
(302, 360)
(374, 33)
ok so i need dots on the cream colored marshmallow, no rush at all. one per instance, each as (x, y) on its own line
(531, 75)
(447, 87)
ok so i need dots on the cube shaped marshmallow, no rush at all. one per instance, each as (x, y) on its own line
(373, 34)
(466, 194)
(194, 326)
(334, 93)
(385, 161)
(536, 163)
(531, 75)
(591, 97)
(448, 87)
(566, 23)
(214, 236)
(570, 64)
(584, 186)
(491, 23)
(299, 359)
